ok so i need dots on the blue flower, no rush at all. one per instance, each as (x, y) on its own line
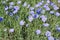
(51, 3)
(51, 12)
(48, 34)
(51, 38)
(11, 30)
(45, 24)
(1, 19)
(43, 18)
(6, 7)
(30, 18)
(11, 3)
(22, 22)
(31, 12)
(55, 7)
(58, 29)
(16, 8)
(10, 14)
(25, 4)
(57, 14)
(18, 2)
(36, 16)
(38, 11)
(38, 32)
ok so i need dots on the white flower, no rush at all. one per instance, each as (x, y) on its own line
(44, 18)
(45, 24)
(57, 14)
(38, 32)
(42, 1)
(7, 12)
(28, 5)
(27, 25)
(18, 2)
(50, 38)
(51, 12)
(48, 34)
(22, 22)
(11, 3)
(30, 18)
(25, 4)
(48, 1)
(11, 30)
(57, 25)
(47, 4)
(58, 1)
(5, 29)
(31, 8)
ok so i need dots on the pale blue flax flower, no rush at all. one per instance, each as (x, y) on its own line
(43, 18)
(51, 38)
(57, 14)
(18, 2)
(22, 22)
(11, 30)
(30, 18)
(38, 32)
(51, 12)
(48, 34)
(45, 24)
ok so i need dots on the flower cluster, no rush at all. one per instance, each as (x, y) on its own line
(39, 12)
(11, 9)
